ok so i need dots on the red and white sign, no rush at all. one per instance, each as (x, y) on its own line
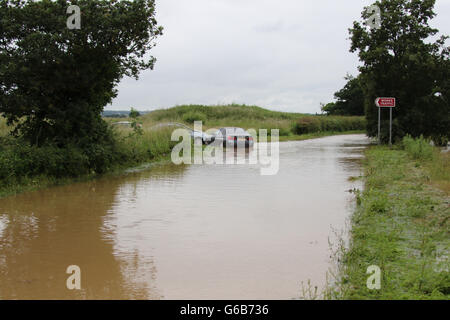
(385, 102)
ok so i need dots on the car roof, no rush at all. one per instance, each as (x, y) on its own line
(234, 128)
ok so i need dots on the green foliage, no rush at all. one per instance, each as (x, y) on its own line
(419, 149)
(134, 113)
(21, 161)
(137, 128)
(256, 118)
(192, 116)
(233, 112)
(227, 115)
(376, 202)
(54, 82)
(4, 129)
(399, 61)
(217, 113)
(136, 149)
(310, 124)
(307, 125)
(329, 108)
(400, 226)
(350, 99)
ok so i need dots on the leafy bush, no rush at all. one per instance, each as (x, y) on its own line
(24, 160)
(307, 125)
(134, 113)
(418, 148)
(192, 116)
(19, 159)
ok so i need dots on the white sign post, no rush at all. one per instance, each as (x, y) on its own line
(385, 103)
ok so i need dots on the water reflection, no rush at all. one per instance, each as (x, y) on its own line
(44, 232)
(201, 231)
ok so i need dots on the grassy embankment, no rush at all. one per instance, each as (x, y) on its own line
(292, 126)
(401, 224)
(24, 167)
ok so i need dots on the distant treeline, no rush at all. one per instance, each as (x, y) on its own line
(312, 124)
(119, 114)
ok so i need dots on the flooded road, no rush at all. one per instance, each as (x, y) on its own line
(184, 232)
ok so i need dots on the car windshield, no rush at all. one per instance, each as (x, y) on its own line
(239, 131)
(225, 131)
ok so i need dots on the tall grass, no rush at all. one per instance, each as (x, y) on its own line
(247, 117)
(401, 225)
(440, 171)
(419, 149)
(233, 111)
(147, 145)
(436, 163)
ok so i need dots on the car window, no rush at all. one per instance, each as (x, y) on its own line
(239, 131)
(231, 131)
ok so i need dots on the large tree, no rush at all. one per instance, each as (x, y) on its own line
(400, 59)
(55, 81)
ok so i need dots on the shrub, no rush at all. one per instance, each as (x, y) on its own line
(20, 160)
(192, 116)
(23, 160)
(307, 125)
(419, 148)
(134, 113)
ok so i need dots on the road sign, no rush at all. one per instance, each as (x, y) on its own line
(385, 102)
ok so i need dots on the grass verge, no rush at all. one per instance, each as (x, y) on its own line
(401, 225)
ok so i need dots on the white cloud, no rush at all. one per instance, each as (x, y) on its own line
(285, 55)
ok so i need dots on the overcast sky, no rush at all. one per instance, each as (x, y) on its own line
(287, 55)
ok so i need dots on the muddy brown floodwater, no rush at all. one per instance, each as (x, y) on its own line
(184, 232)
